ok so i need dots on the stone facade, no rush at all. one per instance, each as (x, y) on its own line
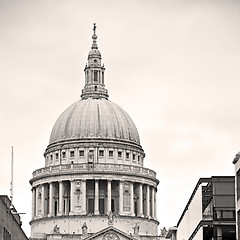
(94, 182)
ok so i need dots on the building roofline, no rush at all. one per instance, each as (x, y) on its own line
(200, 181)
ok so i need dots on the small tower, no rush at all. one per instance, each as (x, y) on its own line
(94, 73)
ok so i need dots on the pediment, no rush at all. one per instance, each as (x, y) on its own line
(110, 233)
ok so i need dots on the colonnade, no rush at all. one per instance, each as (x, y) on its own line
(94, 197)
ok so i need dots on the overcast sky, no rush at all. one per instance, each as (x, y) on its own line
(172, 65)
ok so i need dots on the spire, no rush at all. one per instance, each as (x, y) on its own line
(94, 37)
(94, 73)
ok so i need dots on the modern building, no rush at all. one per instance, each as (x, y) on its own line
(94, 184)
(236, 162)
(10, 221)
(209, 213)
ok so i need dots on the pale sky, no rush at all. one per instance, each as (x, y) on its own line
(172, 65)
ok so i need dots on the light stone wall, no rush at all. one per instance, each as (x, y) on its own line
(73, 224)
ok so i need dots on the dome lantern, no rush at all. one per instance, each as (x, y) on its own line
(94, 73)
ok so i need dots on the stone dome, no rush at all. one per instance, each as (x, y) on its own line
(94, 119)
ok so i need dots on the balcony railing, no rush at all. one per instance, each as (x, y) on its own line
(95, 168)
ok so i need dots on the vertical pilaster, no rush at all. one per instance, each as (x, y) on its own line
(72, 202)
(140, 200)
(33, 202)
(120, 197)
(43, 200)
(84, 194)
(60, 212)
(109, 196)
(50, 199)
(96, 199)
(147, 201)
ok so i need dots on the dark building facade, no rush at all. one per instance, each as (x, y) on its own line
(210, 211)
(10, 222)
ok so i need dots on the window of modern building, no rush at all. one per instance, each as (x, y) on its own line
(6, 234)
(71, 154)
(101, 153)
(110, 153)
(81, 153)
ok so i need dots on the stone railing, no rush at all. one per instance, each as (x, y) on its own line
(95, 168)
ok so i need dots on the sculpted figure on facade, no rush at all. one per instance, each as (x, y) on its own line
(136, 229)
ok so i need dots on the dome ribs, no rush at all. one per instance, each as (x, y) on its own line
(94, 118)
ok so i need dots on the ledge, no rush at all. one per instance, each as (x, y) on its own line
(97, 168)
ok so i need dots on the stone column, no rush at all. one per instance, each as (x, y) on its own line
(61, 202)
(120, 197)
(109, 196)
(96, 199)
(43, 200)
(153, 202)
(33, 202)
(100, 77)
(84, 200)
(37, 201)
(131, 200)
(147, 202)
(72, 195)
(140, 201)
(50, 199)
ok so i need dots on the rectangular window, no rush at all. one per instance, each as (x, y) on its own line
(110, 153)
(119, 154)
(101, 153)
(127, 155)
(91, 156)
(56, 156)
(138, 159)
(63, 154)
(51, 157)
(81, 153)
(134, 156)
(71, 154)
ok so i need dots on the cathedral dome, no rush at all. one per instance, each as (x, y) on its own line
(94, 119)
